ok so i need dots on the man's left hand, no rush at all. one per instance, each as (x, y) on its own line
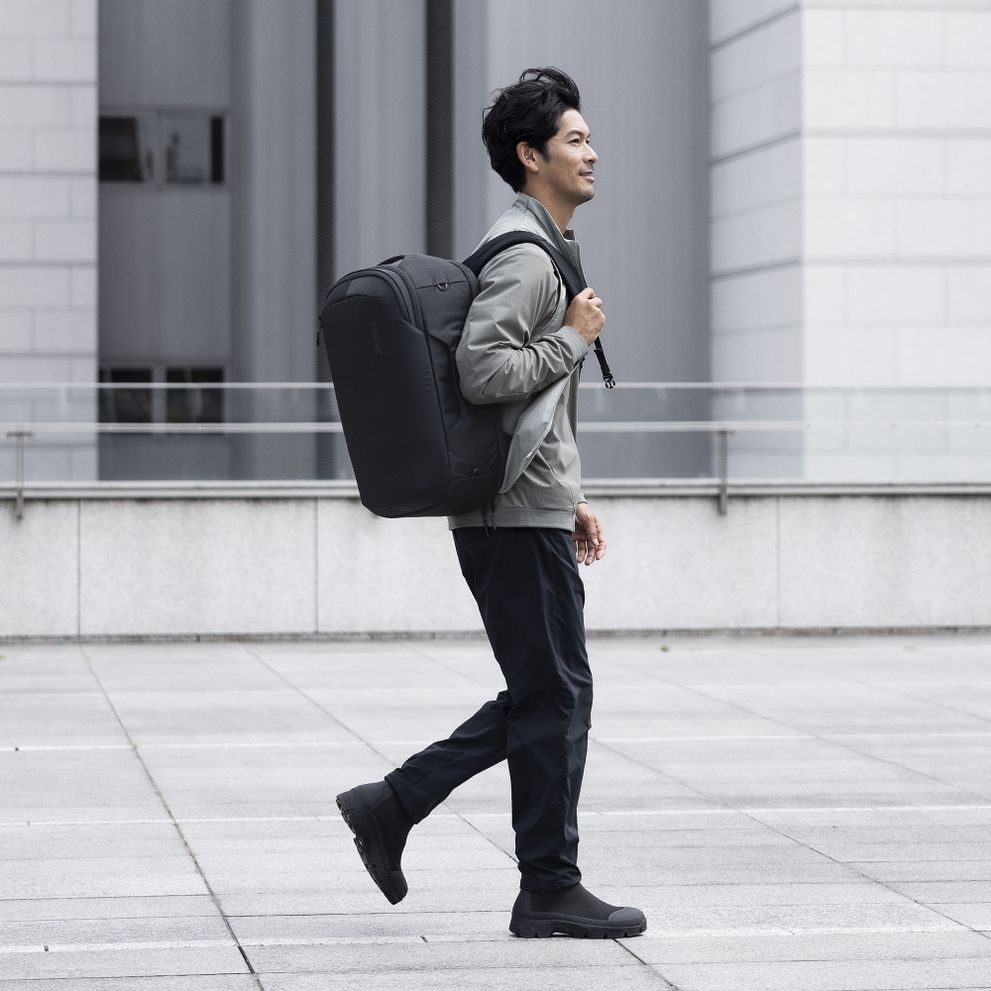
(590, 542)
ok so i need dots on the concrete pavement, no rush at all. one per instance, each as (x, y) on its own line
(793, 814)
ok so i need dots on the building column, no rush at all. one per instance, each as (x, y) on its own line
(48, 219)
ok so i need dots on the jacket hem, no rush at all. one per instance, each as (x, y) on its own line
(509, 516)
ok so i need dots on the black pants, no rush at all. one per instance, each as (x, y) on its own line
(531, 598)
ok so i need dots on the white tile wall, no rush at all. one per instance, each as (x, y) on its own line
(766, 354)
(27, 287)
(944, 355)
(968, 294)
(968, 166)
(824, 170)
(756, 57)
(885, 38)
(968, 40)
(64, 151)
(848, 98)
(48, 190)
(823, 38)
(757, 116)
(886, 294)
(27, 107)
(753, 300)
(16, 150)
(16, 58)
(65, 60)
(767, 235)
(16, 240)
(839, 227)
(895, 165)
(62, 330)
(757, 179)
(952, 228)
(65, 240)
(37, 18)
(842, 353)
(892, 167)
(943, 100)
(823, 294)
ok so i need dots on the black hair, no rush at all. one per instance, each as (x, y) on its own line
(529, 110)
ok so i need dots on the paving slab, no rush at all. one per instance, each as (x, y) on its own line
(135, 961)
(624, 978)
(530, 955)
(831, 975)
(209, 982)
(109, 907)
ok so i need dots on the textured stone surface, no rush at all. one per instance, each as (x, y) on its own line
(793, 814)
(39, 593)
(202, 553)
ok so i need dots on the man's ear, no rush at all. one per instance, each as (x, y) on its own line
(528, 156)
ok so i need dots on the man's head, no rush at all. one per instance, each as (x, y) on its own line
(537, 138)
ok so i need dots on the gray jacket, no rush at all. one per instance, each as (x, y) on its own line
(516, 351)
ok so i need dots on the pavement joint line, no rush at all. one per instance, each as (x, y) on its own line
(333, 744)
(651, 934)
(468, 814)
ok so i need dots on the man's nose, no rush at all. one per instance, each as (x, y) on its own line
(591, 155)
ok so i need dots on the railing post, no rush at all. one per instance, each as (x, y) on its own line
(19, 436)
(723, 472)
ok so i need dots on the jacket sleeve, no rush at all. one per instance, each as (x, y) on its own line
(498, 361)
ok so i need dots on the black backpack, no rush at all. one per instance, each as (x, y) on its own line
(417, 446)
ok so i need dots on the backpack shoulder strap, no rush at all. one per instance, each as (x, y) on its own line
(573, 282)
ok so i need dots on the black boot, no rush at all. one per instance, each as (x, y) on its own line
(380, 825)
(573, 912)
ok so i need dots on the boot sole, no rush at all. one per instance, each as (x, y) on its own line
(534, 929)
(355, 815)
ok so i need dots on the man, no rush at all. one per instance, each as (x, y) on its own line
(522, 348)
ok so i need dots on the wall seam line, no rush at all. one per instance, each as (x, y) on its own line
(777, 501)
(79, 568)
(316, 565)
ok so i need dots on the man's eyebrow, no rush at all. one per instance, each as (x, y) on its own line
(582, 134)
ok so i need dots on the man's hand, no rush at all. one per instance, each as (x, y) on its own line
(586, 316)
(590, 543)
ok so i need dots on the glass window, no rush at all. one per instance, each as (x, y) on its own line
(193, 147)
(125, 149)
(199, 403)
(125, 405)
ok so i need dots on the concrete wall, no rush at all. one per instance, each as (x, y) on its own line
(324, 566)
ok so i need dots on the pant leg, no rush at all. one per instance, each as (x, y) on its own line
(427, 778)
(531, 600)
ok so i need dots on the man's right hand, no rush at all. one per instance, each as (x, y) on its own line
(586, 316)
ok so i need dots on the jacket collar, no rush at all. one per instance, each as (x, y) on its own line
(533, 206)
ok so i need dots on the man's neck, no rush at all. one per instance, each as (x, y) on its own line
(561, 213)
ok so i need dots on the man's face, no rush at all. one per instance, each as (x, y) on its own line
(570, 160)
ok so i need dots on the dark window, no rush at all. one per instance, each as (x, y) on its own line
(199, 403)
(125, 405)
(125, 150)
(193, 147)
(216, 149)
